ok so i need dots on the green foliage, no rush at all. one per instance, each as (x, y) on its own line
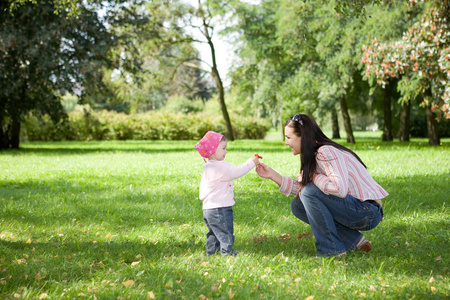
(106, 125)
(110, 220)
(420, 61)
(44, 55)
(184, 105)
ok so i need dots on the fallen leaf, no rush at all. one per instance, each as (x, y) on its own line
(302, 235)
(372, 288)
(258, 239)
(438, 258)
(16, 296)
(309, 298)
(135, 263)
(128, 283)
(214, 288)
(151, 295)
(38, 276)
(431, 279)
(433, 289)
(81, 295)
(230, 293)
(284, 237)
(204, 263)
(43, 295)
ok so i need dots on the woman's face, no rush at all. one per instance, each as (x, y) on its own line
(292, 140)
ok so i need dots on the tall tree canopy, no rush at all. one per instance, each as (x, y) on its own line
(421, 63)
(304, 55)
(44, 55)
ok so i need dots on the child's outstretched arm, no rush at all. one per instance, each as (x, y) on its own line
(235, 172)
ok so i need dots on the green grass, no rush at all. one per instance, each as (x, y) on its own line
(119, 220)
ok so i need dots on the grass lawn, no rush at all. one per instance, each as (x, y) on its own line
(122, 220)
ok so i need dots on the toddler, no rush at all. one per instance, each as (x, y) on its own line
(216, 192)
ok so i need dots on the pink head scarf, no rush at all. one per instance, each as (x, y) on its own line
(208, 144)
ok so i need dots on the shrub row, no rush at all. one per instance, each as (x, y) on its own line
(107, 125)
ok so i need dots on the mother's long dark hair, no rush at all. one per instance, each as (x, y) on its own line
(312, 139)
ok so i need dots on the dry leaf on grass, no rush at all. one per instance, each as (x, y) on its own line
(302, 235)
(230, 293)
(259, 239)
(128, 283)
(284, 237)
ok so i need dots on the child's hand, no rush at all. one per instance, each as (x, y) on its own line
(255, 160)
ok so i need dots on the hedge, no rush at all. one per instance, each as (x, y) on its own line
(108, 125)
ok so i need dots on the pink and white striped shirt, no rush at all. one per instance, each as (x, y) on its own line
(339, 173)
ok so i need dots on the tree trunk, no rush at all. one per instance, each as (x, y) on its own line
(218, 81)
(15, 133)
(223, 106)
(10, 136)
(347, 121)
(432, 127)
(2, 135)
(387, 127)
(335, 124)
(282, 125)
(405, 115)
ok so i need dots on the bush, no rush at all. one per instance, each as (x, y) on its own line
(107, 125)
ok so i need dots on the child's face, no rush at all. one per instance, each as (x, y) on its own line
(221, 151)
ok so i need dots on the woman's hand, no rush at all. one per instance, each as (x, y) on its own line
(264, 170)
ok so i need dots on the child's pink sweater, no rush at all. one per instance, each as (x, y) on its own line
(216, 186)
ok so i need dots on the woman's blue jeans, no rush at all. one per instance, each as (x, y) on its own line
(335, 222)
(220, 236)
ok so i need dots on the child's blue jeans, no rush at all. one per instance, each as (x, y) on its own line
(220, 236)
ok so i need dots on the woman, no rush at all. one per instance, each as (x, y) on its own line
(335, 194)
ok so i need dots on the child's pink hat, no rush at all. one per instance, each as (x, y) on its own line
(208, 144)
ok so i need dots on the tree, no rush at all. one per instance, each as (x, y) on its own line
(43, 55)
(180, 20)
(205, 15)
(421, 63)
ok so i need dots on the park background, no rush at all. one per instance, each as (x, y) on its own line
(102, 102)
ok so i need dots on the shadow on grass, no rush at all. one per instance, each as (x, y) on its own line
(81, 148)
(419, 244)
(132, 146)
